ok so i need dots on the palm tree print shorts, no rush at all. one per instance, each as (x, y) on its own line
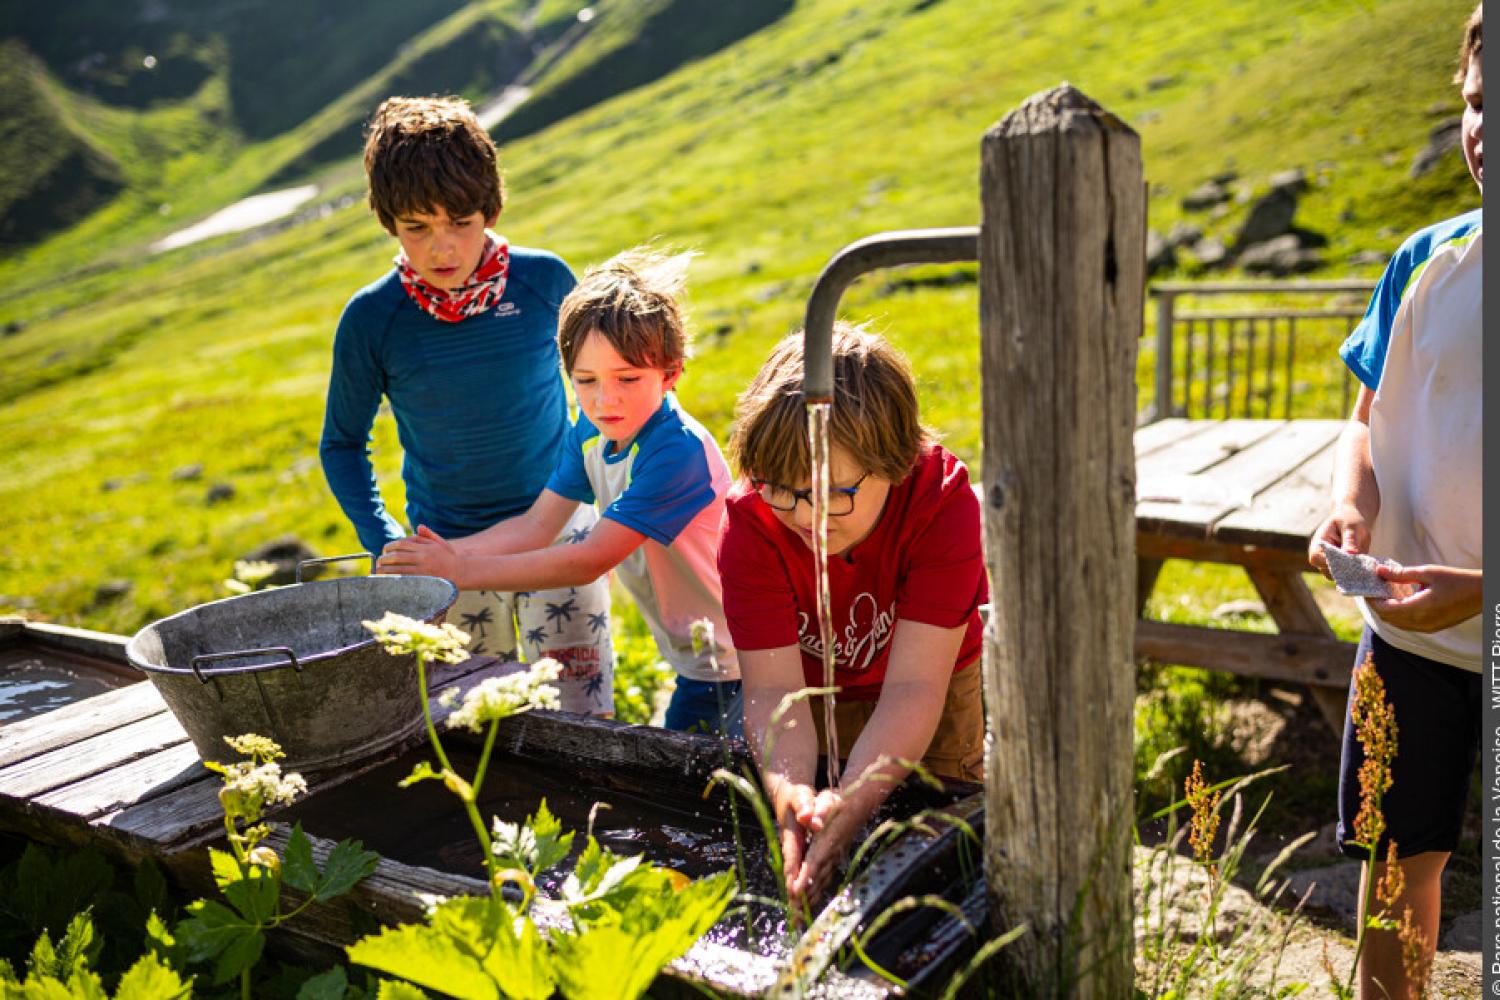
(571, 625)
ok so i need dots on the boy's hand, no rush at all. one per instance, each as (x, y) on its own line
(424, 554)
(1345, 528)
(1433, 598)
(833, 828)
(794, 805)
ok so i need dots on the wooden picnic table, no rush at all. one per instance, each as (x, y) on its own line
(1245, 493)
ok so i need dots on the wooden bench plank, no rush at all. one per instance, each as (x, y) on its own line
(139, 780)
(78, 721)
(1193, 453)
(1303, 659)
(185, 810)
(1162, 434)
(90, 756)
(1236, 483)
(1295, 506)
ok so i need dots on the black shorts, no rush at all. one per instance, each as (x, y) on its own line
(1437, 742)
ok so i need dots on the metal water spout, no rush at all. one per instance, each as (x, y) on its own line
(894, 249)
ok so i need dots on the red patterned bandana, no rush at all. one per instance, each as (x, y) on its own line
(478, 294)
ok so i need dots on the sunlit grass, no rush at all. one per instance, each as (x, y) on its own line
(838, 120)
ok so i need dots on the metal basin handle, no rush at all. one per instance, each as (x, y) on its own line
(238, 653)
(333, 559)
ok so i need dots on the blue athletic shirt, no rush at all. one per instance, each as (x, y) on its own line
(669, 485)
(1365, 349)
(479, 404)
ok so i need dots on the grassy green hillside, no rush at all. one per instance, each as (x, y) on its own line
(55, 175)
(836, 120)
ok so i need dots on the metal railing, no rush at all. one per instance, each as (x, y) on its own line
(1241, 360)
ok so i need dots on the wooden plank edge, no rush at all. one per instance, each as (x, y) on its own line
(1169, 540)
(1302, 659)
(104, 645)
(103, 712)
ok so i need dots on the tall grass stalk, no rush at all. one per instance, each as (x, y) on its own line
(1181, 962)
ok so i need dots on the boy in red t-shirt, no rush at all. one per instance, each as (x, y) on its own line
(906, 576)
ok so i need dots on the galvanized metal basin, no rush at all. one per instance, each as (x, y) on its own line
(294, 664)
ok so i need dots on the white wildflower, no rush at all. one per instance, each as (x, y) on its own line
(250, 787)
(399, 634)
(259, 748)
(497, 698)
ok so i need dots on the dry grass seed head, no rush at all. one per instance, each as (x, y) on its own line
(1204, 824)
(1375, 727)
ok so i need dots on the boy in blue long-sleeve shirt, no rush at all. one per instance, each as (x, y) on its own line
(460, 338)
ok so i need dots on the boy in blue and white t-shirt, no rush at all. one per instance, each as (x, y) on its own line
(655, 474)
(1408, 484)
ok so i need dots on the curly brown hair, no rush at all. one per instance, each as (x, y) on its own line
(423, 153)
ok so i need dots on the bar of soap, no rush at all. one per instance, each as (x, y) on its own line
(1354, 572)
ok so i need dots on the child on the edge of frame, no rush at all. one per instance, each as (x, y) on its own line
(1408, 485)
(906, 578)
(657, 476)
(459, 336)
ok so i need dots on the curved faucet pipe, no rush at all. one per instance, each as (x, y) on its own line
(906, 246)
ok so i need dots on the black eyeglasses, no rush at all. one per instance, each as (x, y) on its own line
(840, 498)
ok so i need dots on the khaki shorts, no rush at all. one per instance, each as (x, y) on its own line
(957, 748)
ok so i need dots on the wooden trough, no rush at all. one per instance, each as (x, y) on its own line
(115, 771)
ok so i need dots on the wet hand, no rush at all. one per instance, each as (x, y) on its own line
(1345, 528)
(826, 851)
(424, 554)
(1431, 598)
(792, 802)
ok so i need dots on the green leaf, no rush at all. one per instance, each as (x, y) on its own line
(620, 961)
(597, 876)
(552, 845)
(427, 957)
(298, 869)
(151, 888)
(242, 953)
(210, 928)
(395, 989)
(45, 889)
(521, 962)
(328, 985)
(77, 949)
(255, 896)
(151, 979)
(422, 772)
(513, 844)
(225, 867)
(161, 943)
(347, 864)
(602, 964)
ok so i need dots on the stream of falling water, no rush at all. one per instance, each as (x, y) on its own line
(818, 417)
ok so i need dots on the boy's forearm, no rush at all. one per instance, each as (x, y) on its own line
(537, 569)
(900, 729)
(521, 533)
(1354, 484)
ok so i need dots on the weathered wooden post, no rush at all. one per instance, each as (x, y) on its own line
(1062, 279)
